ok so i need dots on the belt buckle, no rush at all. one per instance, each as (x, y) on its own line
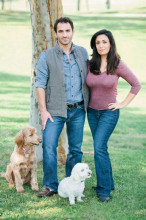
(70, 106)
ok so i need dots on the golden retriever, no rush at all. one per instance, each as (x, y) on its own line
(23, 163)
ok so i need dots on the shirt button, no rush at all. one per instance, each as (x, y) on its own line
(72, 86)
(72, 96)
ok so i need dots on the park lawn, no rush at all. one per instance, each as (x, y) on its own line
(126, 146)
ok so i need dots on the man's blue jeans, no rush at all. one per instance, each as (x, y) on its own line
(102, 124)
(75, 124)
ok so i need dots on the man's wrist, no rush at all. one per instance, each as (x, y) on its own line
(43, 110)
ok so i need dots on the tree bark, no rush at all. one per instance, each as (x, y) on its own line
(43, 16)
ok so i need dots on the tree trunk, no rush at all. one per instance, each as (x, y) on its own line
(78, 5)
(3, 5)
(43, 15)
(108, 4)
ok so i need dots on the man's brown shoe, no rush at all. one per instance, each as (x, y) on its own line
(46, 192)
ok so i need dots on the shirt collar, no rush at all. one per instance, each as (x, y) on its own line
(60, 50)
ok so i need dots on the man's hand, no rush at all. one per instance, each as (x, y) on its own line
(45, 115)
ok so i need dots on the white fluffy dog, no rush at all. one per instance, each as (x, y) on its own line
(72, 187)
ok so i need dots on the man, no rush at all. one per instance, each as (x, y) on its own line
(63, 98)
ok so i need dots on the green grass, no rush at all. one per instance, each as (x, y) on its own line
(126, 146)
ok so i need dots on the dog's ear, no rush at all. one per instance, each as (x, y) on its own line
(19, 139)
(74, 174)
(33, 130)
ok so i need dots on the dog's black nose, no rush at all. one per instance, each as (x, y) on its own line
(40, 140)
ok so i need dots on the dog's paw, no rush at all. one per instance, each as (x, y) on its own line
(11, 185)
(20, 190)
(82, 195)
(35, 188)
(72, 203)
(80, 200)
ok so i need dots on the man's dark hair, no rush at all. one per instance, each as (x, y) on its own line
(63, 20)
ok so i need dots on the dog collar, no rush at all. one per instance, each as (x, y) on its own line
(26, 152)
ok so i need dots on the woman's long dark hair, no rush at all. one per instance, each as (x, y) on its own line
(113, 57)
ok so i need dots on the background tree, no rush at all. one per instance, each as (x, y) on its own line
(43, 15)
(108, 5)
(3, 4)
(78, 5)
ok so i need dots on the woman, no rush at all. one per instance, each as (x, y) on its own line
(105, 68)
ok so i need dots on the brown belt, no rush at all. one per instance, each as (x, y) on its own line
(75, 104)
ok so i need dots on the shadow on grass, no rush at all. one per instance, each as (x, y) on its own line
(11, 83)
(15, 103)
(140, 10)
(88, 25)
(7, 77)
(14, 17)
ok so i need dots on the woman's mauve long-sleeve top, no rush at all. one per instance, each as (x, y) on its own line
(103, 87)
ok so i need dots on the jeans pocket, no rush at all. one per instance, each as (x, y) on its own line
(113, 116)
(81, 106)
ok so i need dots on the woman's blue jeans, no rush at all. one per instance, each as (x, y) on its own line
(102, 124)
(75, 124)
